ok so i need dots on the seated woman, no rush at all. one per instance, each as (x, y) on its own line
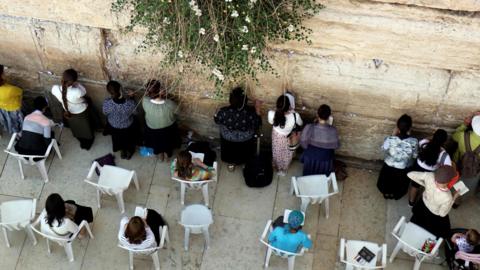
(141, 233)
(186, 168)
(36, 131)
(466, 242)
(61, 218)
(319, 141)
(289, 237)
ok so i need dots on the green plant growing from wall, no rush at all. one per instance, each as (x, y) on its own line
(226, 38)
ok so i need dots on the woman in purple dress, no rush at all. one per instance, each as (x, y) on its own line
(319, 140)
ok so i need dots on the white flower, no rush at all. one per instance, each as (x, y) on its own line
(218, 74)
(228, 1)
(180, 54)
(251, 3)
(244, 29)
(198, 12)
(290, 28)
(247, 19)
(216, 38)
(253, 50)
(192, 3)
(234, 14)
(245, 48)
(201, 31)
(166, 20)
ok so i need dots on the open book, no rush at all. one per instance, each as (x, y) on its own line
(365, 255)
(460, 187)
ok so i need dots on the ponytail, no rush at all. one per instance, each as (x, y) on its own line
(430, 151)
(283, 106)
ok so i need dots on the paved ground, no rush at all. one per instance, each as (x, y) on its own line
(240, 214)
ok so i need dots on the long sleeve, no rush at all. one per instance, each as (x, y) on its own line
(299, 119)
(305, 137)
(458, 134)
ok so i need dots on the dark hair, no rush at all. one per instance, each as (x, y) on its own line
(429, 152)
(404, 124)
(55, 207)
(40, 103)
(473, 237)
(184, 164)
(69, 77)
(324, 112)
(238, 99)
(135, 231)
(283, 106)
(113, 88)
(154, 89)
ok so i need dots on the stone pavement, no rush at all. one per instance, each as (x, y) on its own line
(240, 214)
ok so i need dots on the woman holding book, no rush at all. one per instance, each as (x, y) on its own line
(431, 212)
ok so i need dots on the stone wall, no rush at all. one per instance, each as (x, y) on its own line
(371, 60)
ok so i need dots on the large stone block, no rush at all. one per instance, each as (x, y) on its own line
(430, 39)
(460, 5)
(94, 13)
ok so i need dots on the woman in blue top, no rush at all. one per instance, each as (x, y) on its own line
(289, 237)
(120, 121)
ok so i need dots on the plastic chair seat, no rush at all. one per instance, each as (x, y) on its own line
(114, 177)
(353, 247)
(19, 212)
(196, 219)
(415, 236)
(312, 186)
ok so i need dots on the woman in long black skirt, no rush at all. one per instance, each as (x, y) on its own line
(431, 212)
(120, 120)
(400, 151)
(238, 124)
(161, 131)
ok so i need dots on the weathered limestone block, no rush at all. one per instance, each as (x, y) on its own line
(94, 13)
(461, 5)
(65, 46)
(357, 32)
(17, 47)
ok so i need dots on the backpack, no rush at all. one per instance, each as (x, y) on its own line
(470, 162)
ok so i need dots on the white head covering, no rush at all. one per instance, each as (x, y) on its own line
(476, 124)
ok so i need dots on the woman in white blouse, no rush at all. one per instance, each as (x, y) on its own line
(141, 232)
(71, 95)
(284, 120)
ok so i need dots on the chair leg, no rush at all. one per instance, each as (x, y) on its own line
(43, 170)
(69, 251)
(156, 261)
(98, 198)
(291, 262)
(21, 169)
(187, 236)
(57, 150)
(207, 237)
(395, 251)
(327, 208)
(205, 193)
(48, 246)
(182, 193)
(417, 264)
(135, 181)
(5, 234)
(267, 257)
(304, 205)
(89, 231)
(121, 203)
(30, 234)
(130, 260)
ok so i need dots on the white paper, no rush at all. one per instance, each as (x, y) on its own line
(460, 187)
(141, 212)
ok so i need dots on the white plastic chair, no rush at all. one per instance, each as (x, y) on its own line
(29, 159)
(196, 185)
(196, 219)
(410, 239)
(65, 242)
(314, 189)
(290, 256)
(112, 181)
(17, 215)
(153, 252)
(349, 250)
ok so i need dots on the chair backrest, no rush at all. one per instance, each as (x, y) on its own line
(277, 251)
(104, 189)
(163, 231)
(315, 186)
(18, 206)
(413, 236)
